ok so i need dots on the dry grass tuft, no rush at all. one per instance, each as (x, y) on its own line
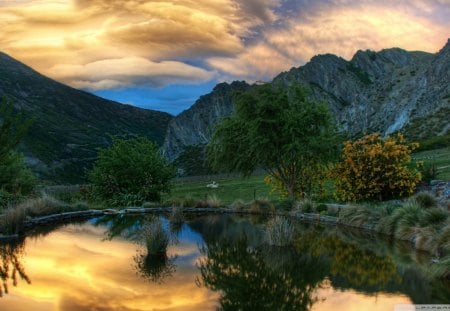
(279, 232)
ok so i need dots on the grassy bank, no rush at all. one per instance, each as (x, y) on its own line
(440, 158)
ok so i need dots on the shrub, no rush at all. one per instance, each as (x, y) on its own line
(321, 208)
(130, 172)
(261, 206)
(212, 201)
(279, 232)
(11, 222)
(306, 206)
(286, 204)
(429, 172)
(176, 215)
(156, 238)
(16, 180)
(238, 205)
(45, 205)
(425, 199)
(376, 169)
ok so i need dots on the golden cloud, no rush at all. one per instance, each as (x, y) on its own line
(242, 39)
(126, 72)
(341, 30)
(78, 277)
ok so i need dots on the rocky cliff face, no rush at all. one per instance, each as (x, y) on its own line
(70, 124)
(382, 91)
(194, 126)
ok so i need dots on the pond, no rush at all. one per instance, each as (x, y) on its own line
(211, 262)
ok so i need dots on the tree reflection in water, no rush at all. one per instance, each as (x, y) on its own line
(11, 267)
(261, 278)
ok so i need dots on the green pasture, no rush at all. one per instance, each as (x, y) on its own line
(229, 189)
(232, 188)
(440, 158)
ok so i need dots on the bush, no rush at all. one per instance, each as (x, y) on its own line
(213, 201)
(321, 208)
(44, 206)
(376, 169)
(238, 205)
(155, 237)
(176, 215)
(16, 180)
(11, 222)
(429, 172)
(261, 206)
(130, 172)
(425, 199)
(306, 206)
(286, 204)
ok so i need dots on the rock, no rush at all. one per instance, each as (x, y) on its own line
(193, 126)
(383, 91)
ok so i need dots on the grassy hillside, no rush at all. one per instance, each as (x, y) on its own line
(69, 124)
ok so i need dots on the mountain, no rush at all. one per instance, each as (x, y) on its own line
(194, 126)
(70, 124)
(383, 91)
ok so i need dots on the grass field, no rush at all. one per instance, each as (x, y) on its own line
(440, 158)
(233, 188)
(229, 189)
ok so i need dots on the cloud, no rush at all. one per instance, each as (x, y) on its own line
(258, 62)
(241, 39)
(339, 27)
(129, 72)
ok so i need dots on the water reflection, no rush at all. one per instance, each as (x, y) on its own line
(11, 267)
(155, 267)
(151, 260)
(93, 266)
(343, 259)
(262, 278)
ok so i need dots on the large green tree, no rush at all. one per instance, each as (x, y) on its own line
(16, 180)
(279, 130)
(130, 172)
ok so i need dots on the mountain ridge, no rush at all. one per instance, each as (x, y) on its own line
(70, 124)
(385, 91)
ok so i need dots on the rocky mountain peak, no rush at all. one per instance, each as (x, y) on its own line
(382, 91)
(193, 126)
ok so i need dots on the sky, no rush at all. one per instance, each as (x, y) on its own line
(163, 55)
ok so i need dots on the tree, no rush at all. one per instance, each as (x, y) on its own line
(376, 168)
(13, 128)
(130, 172)
(16, 180)
(279, 130)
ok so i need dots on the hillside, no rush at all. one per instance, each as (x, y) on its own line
(383, 91)
(70, 124)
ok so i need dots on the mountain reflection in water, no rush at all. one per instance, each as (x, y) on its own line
(211, 262)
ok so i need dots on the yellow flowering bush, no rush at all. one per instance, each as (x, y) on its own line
(374, 168)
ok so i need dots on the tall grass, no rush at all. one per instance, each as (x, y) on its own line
(279, 232)
(155, 237)
(213, 201)
(261, 206)
(176, 215)
(12, 220)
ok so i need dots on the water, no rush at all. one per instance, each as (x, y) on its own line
(211, 262)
